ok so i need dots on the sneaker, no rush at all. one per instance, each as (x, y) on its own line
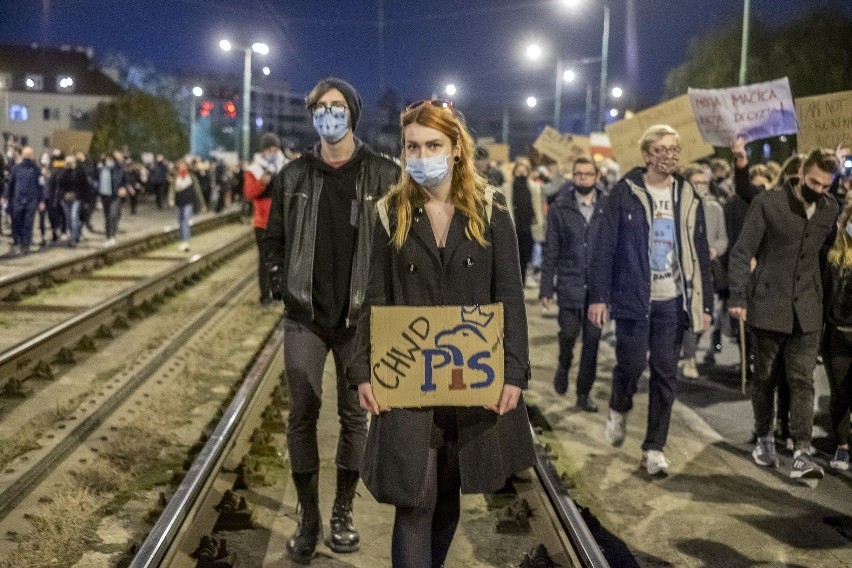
(840, 461)
(689, 368)
(804, 467)
(616, 428)
(184, 246)
(560, 381)
(764, 452)
(655, 462)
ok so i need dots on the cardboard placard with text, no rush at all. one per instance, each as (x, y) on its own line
(436, 356)
(498, 152)
(562, 148)
(825, 121)
(753, 112)
(624, 135)
(71, 140)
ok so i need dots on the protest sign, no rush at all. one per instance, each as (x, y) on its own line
(561, 148)
(71, 140)
(436, 356)
(624, 135)
(498, 152)
(756, 111)
(825, 121)
(599, 145)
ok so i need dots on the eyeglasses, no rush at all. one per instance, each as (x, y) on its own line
(662, 151)
(337, 110)
(440, 103)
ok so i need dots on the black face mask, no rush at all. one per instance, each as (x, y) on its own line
(584, 189)
(809, 195)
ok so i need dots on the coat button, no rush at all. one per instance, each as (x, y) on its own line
(468, 262)
(411, 268)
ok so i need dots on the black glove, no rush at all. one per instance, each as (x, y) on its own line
(276, 282)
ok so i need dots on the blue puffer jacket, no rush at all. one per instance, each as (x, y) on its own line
(619, 264)
(565, 256)
(25, 184)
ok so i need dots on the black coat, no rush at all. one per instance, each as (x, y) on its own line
(491, 447)
(787, 247)
(565, 257)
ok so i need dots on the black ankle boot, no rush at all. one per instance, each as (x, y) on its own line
(344, 537)
(560, 379)
(303, 543)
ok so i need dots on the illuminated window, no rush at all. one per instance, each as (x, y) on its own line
(19, 113)
(34, 82)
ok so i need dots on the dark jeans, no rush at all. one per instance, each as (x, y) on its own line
(160, 190)
(23, 214)
(112, 214)
(656, 342)
(571, 322)
(262, 266)
(799, 351)
(525, 248)
(305, 351)
(837, 355)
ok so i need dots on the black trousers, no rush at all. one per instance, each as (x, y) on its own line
(525, 247)
(571, 323)
(837, 355)
(262, 266)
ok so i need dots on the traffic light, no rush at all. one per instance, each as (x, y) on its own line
(206, 107)
(230, 109)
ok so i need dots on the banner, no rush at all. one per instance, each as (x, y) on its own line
(624, 135)
(436, 356)
(562, 148)
(756, 111)
(825, 121)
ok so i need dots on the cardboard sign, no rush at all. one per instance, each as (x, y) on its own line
(624, 135)
(436, 356)
(561, 147)
(71, 140)
(498, 152)
(824, 121)
(756, 111)
(599, 146)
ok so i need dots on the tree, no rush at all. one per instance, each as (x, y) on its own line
(142, 122)
(814, 51)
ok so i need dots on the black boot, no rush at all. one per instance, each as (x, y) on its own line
(560, 379)
(344, 537)
(303, 543)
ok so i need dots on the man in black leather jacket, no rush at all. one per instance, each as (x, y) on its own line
(318, 237)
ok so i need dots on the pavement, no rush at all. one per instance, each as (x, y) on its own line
(716, 507)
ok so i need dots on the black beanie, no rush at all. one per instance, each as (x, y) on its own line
(350, 95)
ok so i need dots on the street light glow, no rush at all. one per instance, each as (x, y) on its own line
(571, 3)
(534, 51)
(266, 71)
(260, 48)
(569, 76)
(197, 91)
(531, 102)
(225, 45)
(613, 112)
(450, 90)
(617, 92)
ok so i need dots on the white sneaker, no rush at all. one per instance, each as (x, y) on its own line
(184, 246)
(655, 462)
(616, 428)
(689, 368)
(109, 243)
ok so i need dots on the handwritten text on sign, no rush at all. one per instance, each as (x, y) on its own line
(825, 121)
(436, 356)
(753, 111)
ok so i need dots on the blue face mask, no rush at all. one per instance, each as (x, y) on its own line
(428, 172)
(331, 125)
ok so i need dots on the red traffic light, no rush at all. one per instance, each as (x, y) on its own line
(206, 107)
(230, 109)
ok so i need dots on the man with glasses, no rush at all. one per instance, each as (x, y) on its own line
(318, 239)
(650, 269)
(572, 222)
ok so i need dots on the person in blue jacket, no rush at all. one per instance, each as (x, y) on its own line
(24, 195)
(650, 271)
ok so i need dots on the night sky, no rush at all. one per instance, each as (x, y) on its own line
(476, 44)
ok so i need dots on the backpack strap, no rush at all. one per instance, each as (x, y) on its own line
(489, 202)
(382, 208)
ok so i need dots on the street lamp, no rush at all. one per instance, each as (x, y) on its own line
(196, 92)
(262, 49)
(531, 101)
(266, 71)
(613, 112)
(450, 90)
(617, 92)
(569, 76)
(534, 52)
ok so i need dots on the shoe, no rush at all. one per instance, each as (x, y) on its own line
(344, 538)
(764, 452)
(560, 381)
(655, 462)
(689, 368)
(184, 246)
(303, 543)
(840, 461)
(616, 428)
(585, 403)
(804, 467)
(109, 243)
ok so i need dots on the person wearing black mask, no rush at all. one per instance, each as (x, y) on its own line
(523, 208)
(785, 230)
(572, 222)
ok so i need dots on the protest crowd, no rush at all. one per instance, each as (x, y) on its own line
(670, 248)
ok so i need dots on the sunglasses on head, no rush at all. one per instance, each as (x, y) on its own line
(440, 103)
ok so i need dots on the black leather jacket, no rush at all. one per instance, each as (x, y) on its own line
(292, 229)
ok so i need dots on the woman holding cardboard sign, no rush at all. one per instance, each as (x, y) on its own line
(446, 239)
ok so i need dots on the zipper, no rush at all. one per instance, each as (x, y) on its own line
(358, 194)
(315, 209)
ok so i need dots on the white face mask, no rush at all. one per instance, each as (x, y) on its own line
(428, 172)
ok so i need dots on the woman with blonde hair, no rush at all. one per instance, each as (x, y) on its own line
(446, 238)
(837, 336)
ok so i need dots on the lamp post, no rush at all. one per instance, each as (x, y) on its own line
(604, 58)
(744, 44)
(262, 49)
(196, 92)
